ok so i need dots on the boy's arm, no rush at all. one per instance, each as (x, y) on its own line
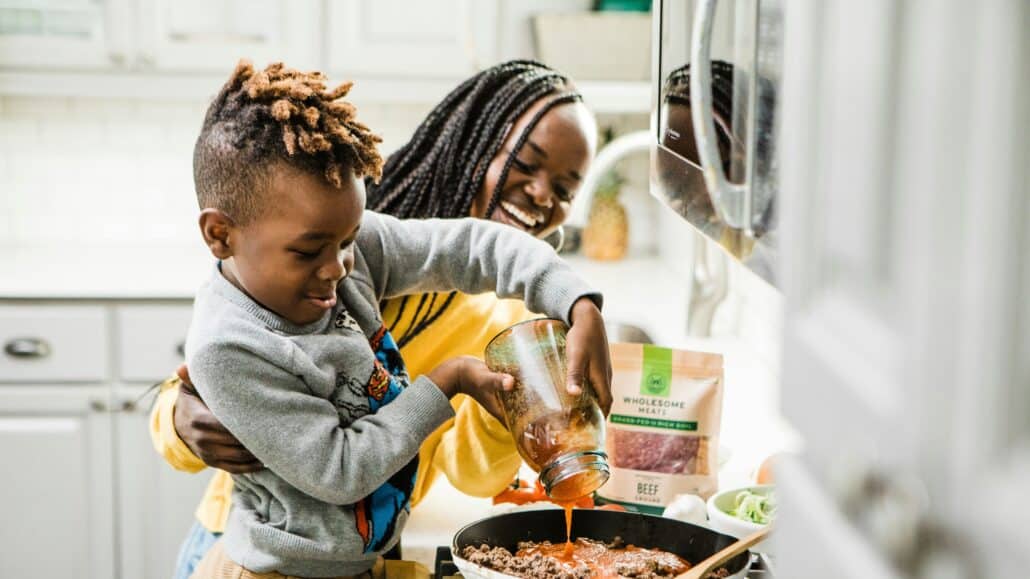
(471, 255)
(162, 430)
(299, 437)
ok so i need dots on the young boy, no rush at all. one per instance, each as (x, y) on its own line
(287, 345)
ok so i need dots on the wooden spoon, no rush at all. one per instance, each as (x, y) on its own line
(712, 563)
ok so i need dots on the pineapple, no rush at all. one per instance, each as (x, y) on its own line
(606, 235)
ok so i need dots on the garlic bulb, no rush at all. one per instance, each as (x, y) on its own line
(687, 508)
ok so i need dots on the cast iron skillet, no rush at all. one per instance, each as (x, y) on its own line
(691, 542)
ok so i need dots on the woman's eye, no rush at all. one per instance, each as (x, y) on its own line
(563, 194)
(522, 166)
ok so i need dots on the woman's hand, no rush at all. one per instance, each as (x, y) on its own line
(205, 435)
(470, 376)
(586, 349)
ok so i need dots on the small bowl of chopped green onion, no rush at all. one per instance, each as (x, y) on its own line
(741, 511)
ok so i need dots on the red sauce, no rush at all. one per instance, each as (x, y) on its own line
(567, 553)
(578, 494)
(602, 560)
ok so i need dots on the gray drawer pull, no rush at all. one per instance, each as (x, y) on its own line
(27, 348)
(181, 349)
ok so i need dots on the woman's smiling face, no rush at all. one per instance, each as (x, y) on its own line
(545, 174)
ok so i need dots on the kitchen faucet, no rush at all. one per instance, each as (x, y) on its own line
(709, 284)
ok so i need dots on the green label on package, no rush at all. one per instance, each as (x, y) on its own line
(686, 425)
(656, 374)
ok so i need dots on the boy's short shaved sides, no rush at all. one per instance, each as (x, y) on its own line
(277, 116)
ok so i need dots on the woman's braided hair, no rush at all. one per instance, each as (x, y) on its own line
(275, 115)
(441, 169)
(439, 172)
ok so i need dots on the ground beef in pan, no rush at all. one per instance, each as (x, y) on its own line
(533, 567)
(546, 560)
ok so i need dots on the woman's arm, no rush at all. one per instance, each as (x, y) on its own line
(163, 434)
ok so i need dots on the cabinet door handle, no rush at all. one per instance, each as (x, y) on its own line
(27, 348)
(181, 349)
(98, 405)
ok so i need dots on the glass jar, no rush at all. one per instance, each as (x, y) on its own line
(559, 435)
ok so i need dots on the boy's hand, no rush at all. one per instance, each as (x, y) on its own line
(205, 435)
(586, 349)
(470, 376)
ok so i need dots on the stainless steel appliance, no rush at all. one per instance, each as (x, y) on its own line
(717, 70)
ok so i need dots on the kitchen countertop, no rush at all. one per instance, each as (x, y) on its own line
(103, 271)
(643, 290)
(174, 271)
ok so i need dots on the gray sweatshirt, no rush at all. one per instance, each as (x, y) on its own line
(328, 407)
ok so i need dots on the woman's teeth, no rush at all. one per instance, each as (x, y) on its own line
(525, 219)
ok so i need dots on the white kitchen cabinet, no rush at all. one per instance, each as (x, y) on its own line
(80, 472)
(212, 35)
(60, 34)
(57, 486)
(48, 344)
(905, 212)
(151, 340)
(156, 502)
(399, 38)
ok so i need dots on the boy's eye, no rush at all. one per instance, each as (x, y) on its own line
(305, 254)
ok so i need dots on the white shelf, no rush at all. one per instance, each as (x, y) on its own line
(601, 96)
(616, 97)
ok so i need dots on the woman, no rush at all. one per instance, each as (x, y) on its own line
(510, 144)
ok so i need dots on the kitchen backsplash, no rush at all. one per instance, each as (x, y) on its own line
(84, 170)
(77, 171)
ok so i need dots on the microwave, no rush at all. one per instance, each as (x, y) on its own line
(716, 71)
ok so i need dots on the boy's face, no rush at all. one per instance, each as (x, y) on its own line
(291, 257)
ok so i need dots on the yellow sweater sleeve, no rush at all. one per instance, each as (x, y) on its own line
(473, 450)
(162, 431)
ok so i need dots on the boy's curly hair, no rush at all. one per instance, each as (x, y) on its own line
(277, 115)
